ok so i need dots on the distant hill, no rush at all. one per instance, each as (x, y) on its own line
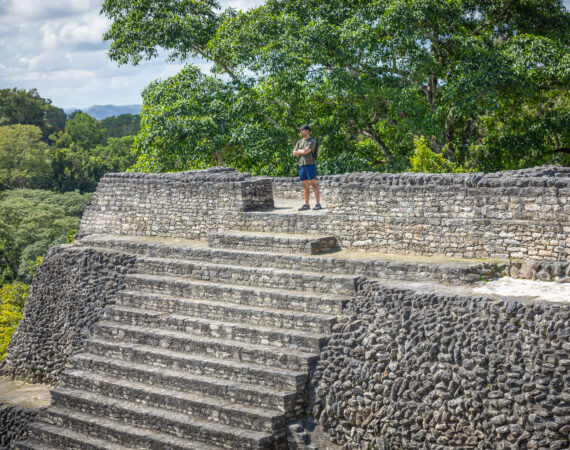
(100, 112)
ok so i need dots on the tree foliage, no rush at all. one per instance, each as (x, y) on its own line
(196, 120)
(122, 125)
(32, 221)
(23, 107)
(82, 154)
(425, 159)
(12, 299)
(84, 131)
(24, 158)
(477, 78)
(75, 156)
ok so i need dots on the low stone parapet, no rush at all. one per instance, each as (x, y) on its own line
(185, 204)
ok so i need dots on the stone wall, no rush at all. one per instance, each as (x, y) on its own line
(72, 287)
(522, 215)
(517, 214)
(185, 204)
(14, 424)
(405, 370)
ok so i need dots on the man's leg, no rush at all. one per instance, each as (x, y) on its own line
(306, 190)
(315, 190)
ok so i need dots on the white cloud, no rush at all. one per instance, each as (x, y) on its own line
(31, 10)
(56, 47)
(89, 32)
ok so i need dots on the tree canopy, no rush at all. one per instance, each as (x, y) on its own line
(26, 107)
(122, 125)
(82, 154)
(485, 82)
(24, 160)
(32, 221)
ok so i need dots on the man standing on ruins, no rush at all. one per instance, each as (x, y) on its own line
(307, 166)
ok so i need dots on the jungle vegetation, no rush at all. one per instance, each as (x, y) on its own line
(482, 84)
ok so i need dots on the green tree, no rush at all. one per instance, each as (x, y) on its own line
(23, 107)
(194, 121)
(84, 130)
(122, 125)
(425, 159)
(116, 156)
(24, 158)
(77, 158)
(380, 72)
(32, 221)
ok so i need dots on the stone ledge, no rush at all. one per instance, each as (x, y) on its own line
(543, 176)
(372, 264)
(273, 242)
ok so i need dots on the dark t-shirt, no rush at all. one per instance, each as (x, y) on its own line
(308, 159)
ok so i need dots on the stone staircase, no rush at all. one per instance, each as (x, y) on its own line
(207, 347)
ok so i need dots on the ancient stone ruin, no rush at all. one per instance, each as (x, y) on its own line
(201, 310)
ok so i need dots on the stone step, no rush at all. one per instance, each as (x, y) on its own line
(230, 390)
(242, 295)
(277, 337)
(273, 242)
(221, 348)
(33, 444)
(249, 276)
(66, 438)
(195, 404)
(49, 436)
(379, 266)
(60, 422)
(199, 364)
(228, 312)
(153, 418)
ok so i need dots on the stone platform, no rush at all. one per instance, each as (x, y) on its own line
(210, 344)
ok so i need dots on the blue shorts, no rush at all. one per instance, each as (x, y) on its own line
(307, 172)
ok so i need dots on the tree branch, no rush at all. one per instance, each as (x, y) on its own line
(238, 81)
(506, 6)
(220, 63)
(371, 133)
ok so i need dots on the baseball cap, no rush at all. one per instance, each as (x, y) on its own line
(305, 127)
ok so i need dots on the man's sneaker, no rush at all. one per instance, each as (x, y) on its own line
(304, 208)
(318, 206)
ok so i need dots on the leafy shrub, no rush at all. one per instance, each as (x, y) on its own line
(12, 299)
(426, 160)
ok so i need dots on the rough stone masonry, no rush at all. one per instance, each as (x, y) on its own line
(519, 214)
(402, 368)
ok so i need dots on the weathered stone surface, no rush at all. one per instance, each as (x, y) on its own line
(72, 287)
(209, 348)
(522, 215)
(186, 204)
(370, 265)
(14, 423)
(188, 371)
(462, 372)
(515, 214)
(272, 242)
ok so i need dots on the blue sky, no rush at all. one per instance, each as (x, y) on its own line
(56, 47)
